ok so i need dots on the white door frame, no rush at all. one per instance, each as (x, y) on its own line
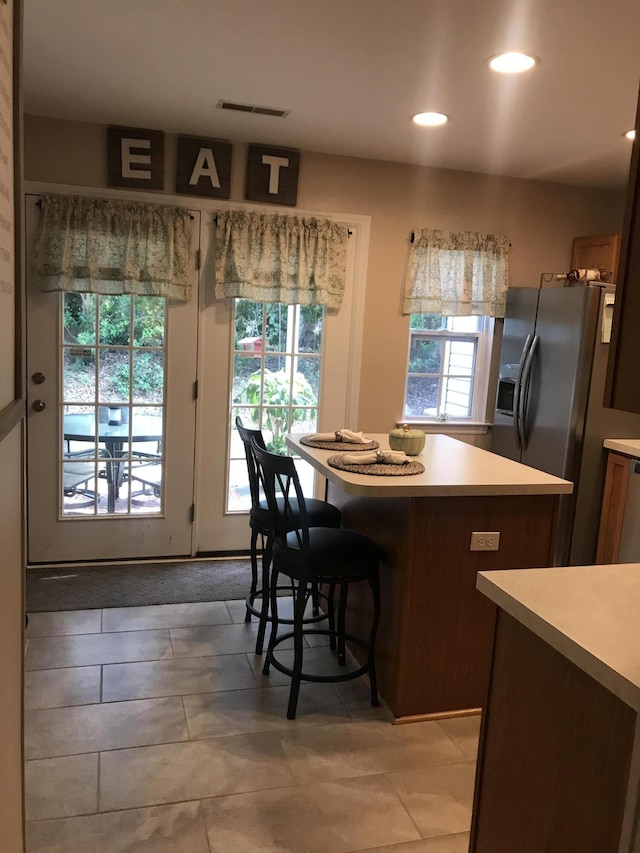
(216, 530)
(213, 530)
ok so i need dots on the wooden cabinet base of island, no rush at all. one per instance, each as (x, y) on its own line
(434, 643)
(555, 754)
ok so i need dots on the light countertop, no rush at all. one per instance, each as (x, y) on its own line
(630, 446)
(590, 614)
(452, 468)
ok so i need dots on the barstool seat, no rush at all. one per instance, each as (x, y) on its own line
(332, 555)
(320, 513)
(311, 556)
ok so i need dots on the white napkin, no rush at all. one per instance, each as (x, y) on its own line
(341, 435)
(390, 457)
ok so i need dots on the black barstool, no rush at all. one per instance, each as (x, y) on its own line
(311, 556)
(320, 514)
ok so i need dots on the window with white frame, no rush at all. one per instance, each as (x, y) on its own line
(277, 361)
(448, 367)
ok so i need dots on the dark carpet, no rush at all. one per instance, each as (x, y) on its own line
(136, 584)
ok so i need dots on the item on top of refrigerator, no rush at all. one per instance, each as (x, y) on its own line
(583, 275)
(577, 276)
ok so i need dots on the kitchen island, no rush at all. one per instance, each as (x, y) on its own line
(559, 761)
(436, 630)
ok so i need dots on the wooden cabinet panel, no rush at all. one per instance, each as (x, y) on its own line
(623, 383)
(555, 754)
(434, 643)
(597, 251)
(613, 499)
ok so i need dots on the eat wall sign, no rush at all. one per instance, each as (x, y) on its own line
(136, 160)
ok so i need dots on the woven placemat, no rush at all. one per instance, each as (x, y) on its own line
(381, 469)
(339, 445)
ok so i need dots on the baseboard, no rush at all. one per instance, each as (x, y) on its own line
(209, 555)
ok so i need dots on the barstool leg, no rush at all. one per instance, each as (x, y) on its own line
(266, 590)
(315, 600)
(274, 620)
(298, 618)
(331, 615)
(342, 620)
(254, 573)
(374, 583)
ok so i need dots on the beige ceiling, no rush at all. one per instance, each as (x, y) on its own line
(352, 73)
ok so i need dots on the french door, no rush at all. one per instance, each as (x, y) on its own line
(111, 422)
(277, 364)
(283, 369)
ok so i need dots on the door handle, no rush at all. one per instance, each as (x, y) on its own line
(38, 378)
(524, 396)
(517, 392)
(38, 405)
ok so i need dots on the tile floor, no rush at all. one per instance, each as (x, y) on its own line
(152, 729)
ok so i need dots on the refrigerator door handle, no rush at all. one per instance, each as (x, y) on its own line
(517, 393)
(523, 399)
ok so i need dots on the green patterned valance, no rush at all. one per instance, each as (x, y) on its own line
(278, 258)
(457, 274)
(91, 245)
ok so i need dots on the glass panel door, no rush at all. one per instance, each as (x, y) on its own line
(113, 377)
(322, 346)
(277, 363)
(111, 422)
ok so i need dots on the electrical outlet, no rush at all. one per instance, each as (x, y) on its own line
(485, 541)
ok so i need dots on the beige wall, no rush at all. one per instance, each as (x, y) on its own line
(540, 218)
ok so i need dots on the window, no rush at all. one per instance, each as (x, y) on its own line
(113, 377)
(277, 352)
(448, 367)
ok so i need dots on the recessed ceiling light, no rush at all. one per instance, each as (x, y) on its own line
(430, 119)
(630, 134)
(512, 62)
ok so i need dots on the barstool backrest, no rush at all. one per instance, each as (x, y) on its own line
(279, 479)
(247, 434)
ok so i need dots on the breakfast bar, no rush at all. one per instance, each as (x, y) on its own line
(436, 630)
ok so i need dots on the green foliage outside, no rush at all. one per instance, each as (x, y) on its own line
(79, 318)
(148, 377)
(428, 321)
(251, 317)
(276, 398)
(115, 320)
(86, 314)
(279, 401)
(425, 355)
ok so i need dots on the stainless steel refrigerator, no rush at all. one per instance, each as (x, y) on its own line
(549, 410)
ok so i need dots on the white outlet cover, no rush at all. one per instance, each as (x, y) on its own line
(488, 540)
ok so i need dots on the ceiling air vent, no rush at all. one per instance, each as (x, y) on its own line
(252, 108)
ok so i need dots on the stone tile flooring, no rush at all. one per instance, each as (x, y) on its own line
(152, 729)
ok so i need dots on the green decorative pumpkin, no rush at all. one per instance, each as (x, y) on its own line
(409, 440)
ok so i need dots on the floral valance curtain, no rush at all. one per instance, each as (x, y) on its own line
(91, 245)
(278, 258)
(457, 274)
